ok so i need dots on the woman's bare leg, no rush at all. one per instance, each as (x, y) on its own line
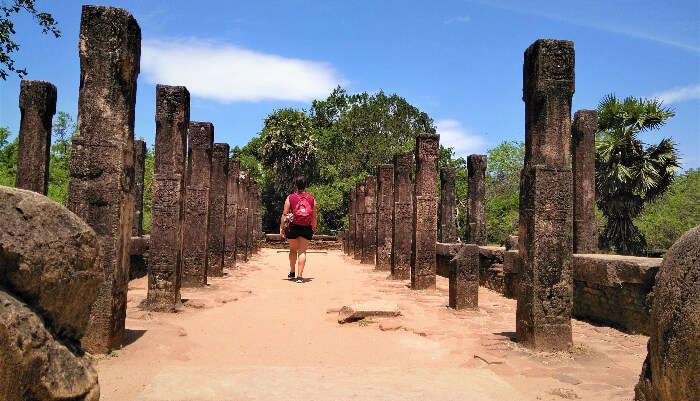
(293, 247)
(301, 251)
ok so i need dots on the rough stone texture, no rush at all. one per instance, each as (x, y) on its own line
(50, 258)
(35, 365)
(102, 158)
(139, 173)
(448, 205)
(512, 243)
(403, 217)
(194, 249)
(231, 213)
(425, 207)
(476, 194)
(351, 222)
(168, 200)
(543, 315)
(464, 278)
(217, 210)
(242, 251)
(511, 270)
(385, 216)
(369, 227)
(444, 253)
(363, 310)
(139, 255)
(37, 103)
(670, 370)
(250, 240)
(359, 219)
(583, 132)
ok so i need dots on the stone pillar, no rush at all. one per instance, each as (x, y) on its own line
(168, 200)
(139, 173)
(385, 216)
(242, 250)
(194, 251)
(359, 219)
(448, 205)
(102, 159)
(423, 263)
(543, 315)
(476, 194)
(37, 102)
(250, 240)
(231, 213)
(351, 222)
(583, 147)
(369, 226)
(217, 210)
(403, 217)
(259, 222)
(464, 278)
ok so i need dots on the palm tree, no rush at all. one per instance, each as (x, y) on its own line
(630, 173)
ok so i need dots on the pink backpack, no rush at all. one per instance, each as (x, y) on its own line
(302, 210)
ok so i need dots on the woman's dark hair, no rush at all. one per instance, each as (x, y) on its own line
(300, 183)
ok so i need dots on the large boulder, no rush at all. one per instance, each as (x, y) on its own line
(34, 365)
(671, 370)
(50, 259)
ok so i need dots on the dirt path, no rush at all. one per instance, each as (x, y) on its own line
(253, 335)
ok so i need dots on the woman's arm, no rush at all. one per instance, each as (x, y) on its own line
(284, 213)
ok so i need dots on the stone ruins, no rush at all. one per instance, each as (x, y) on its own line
(64, 271)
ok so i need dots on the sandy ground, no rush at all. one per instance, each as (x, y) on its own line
(253, 335)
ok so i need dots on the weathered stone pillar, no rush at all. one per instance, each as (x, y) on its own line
(403, 217)
(423, 263)
(476, 195)
(385, 216)
(359, 219)
(37, 102)
(102, 159)
(258, 212)
(583, 147)
(168, 200)
(351, 222)
(464, 278)
(194, 251)
(543, 316)
(448, 205)
(250, 235)
(231, 213)
(217, 210)
(139, 173)
(242, 250)
(369, 236)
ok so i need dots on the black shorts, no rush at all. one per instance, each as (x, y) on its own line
(296, 231)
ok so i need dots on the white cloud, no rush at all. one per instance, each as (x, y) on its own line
(460, 139)
(229, 73)
(679, 94)
(462, 19)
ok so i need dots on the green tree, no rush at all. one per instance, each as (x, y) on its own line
(664, 220)
(63, 131)
(8, 157)
(502, 190)
(7, 29)
(148, 188)
(630, 173)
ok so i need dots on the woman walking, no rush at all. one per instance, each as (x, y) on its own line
(298, 225)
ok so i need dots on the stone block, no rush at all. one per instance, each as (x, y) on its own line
(476, 195)
(369, 226)
(448, 205)
(403, 217)
(583, 131)
(217, 210)
(464, 278)
(231, 213)
(385, 216)
(358, 311)
(139, 174)
(423, 263)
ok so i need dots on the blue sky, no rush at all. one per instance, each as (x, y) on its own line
(459, 61)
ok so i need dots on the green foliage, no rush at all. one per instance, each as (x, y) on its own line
(664, 220)
(503, 166)
(148, 188)
(7, 29)
(628, 173)
(63, 131)
(8, 158)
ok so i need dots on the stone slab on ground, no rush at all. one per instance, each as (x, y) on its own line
(359, 311)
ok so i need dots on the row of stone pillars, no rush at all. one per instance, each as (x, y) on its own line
(205, 212)
(399, 224)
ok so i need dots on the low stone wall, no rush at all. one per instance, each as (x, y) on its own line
(608, 289)
(318, 242)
